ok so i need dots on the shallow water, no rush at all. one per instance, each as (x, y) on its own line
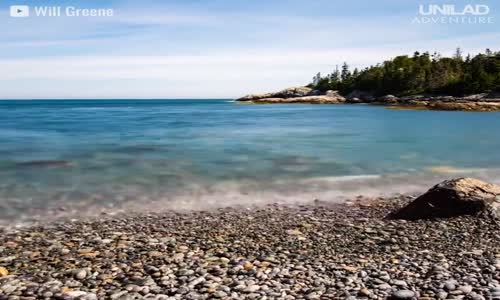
(59, 157)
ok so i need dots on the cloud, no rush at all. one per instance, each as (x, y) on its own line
(223, 74)
(164, 50)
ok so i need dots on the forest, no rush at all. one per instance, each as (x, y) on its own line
(421, 73)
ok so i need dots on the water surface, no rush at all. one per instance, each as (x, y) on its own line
(63, 156)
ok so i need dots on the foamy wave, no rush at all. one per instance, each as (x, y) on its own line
(240, 193)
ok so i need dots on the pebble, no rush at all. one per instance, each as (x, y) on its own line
(403, 294)
(466, 289)
(80, 274)
(340, 252)
(252, 288)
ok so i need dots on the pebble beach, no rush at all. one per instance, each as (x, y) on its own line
(313, 251)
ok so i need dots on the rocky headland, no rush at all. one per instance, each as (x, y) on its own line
(478, 102)
(444, 244)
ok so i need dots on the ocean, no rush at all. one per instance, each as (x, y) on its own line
(81, 157)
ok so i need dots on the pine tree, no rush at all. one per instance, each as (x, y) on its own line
(458, 54)
(421, 73)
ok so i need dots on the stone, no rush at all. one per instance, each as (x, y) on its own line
(357, 96)
(74, 294)
(350, 268)
(450, 285)
(403, 294)
(365, 292)
(3, 272)
(293, 232)
(248, 266)
(80, 274)
(466, 289)
(220, 294)
(252, 288)
(452, 198)
(295, 95)
(291, 92)
(388, 99)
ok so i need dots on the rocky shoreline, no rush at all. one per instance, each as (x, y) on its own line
(316, 251)
(479, 102)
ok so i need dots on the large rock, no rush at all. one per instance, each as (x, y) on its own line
(412, 98)
(292, 92)
(388, 99)
(252, 97)
(451, 198)
(464, 106)
(296, 95)
(357, 96)
(307, 99)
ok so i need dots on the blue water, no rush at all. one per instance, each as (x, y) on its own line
(87, 154)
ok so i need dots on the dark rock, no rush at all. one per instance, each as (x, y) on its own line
(388, 99)
(296, 95)
(411, 98)
(292, 92)
(451, 198)
(357, 96)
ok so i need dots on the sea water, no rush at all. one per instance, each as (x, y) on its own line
(63, 157)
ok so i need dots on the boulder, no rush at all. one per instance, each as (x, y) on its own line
(465, 106)
(475, 97)
(360, 95)
(252, 97)
(411, 98)
(315, 93)
(493, 96)
(388, 99)
(269, 100)
(292, 92)
(355, 100)
(335, 96)
(452, 198)
(295, 95)
(306, 99)
(319, 99)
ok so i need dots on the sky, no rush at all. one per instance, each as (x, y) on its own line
(217, 48)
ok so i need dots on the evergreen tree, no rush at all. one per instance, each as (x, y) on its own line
(421, 73)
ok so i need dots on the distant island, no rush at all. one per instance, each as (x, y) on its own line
(422, 81)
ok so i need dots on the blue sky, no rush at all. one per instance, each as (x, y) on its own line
(214, 48)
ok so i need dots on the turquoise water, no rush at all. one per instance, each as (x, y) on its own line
(62, 156)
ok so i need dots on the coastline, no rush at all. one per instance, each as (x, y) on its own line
(314, 251)
(304, 95)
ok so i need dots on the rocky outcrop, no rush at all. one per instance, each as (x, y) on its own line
(292, 92)
(452, 198)
(478, 102)
(388, 99)
(323, 99)
(295, 95)
(450, 105)
(357, 96)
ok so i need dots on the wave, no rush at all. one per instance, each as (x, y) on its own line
(80, 200)
(103, 108)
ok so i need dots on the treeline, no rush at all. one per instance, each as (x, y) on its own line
(420, 73)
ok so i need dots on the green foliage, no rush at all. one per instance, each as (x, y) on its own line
(420, 73)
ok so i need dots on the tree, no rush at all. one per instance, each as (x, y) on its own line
(458, 54)
(346, 74)
(420, 73)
